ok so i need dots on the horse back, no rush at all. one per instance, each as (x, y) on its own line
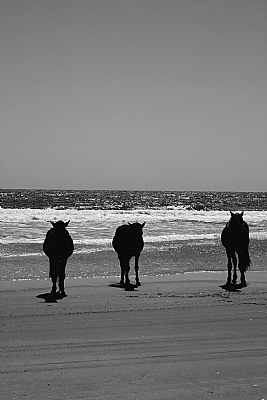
(58, 244)
(235, 239)
(127, 242)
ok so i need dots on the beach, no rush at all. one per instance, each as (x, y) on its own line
(175, 337)
(178, 336)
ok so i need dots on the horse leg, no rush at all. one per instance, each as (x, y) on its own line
(125, 268)
(242, 265)
(136, 270)
(243, 279)
(53, 273)
(126, 271)
(54, 287)
(235, 265)
(122, 262)
(122, 277)
(62, 275)
(229, 267)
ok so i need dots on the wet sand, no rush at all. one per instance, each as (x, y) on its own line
(175, 337)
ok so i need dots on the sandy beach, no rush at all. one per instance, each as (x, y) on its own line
(175, 337)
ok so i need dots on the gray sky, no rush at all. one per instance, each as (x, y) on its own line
(164, 95)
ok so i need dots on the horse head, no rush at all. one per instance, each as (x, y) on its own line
(136, 227)
(236, 220)
(60, 225)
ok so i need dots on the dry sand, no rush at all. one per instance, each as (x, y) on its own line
(175, 337)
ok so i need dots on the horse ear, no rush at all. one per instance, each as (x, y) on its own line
(143, 224)
(67, 223)
(53, 223)
(231, 213)
(242, 214)
(129, 223)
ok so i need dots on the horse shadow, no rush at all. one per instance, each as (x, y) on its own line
(128, 287)
(50, 297)
(230, 287)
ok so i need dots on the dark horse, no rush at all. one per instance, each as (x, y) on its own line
(235, 239)
(128, 242)
(58, 246)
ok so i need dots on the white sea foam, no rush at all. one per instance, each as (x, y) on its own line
(121, 216)
(97, 227)
(106, 242)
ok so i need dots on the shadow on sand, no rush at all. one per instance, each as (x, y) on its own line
(232, 288)
(50, 297)
(129, 287)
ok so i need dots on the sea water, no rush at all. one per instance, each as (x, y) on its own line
(182, 231)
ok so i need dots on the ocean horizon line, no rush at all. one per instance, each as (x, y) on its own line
(132, 190)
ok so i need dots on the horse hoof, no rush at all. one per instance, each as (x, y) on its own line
(62, 294)
(138, 284)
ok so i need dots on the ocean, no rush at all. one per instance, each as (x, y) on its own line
(181, 235)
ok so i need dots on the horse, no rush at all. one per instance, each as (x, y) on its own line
(58, 246)
(128, 242)
(235, 239)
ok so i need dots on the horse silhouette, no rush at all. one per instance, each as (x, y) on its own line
(235, 239)
(128, 242)
(58, 246)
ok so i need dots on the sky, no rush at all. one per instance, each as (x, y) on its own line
(134, 94)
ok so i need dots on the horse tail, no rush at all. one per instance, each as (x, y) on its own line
(246, 261)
